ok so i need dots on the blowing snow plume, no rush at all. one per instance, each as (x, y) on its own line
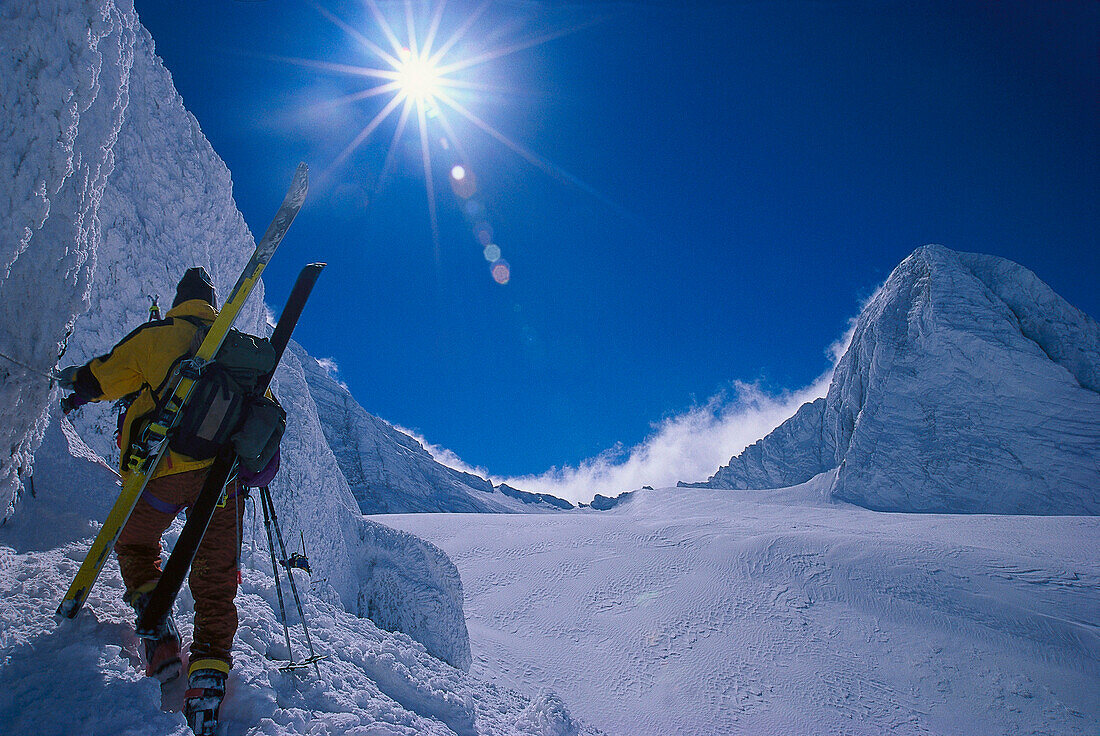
(687, 445)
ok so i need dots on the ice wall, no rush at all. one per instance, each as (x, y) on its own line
(64, 82)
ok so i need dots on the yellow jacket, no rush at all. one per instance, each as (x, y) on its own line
(141, 361)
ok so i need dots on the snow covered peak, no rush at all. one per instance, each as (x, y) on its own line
(969, 386)
(390, 472)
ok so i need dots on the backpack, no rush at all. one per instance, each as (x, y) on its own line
(226, 406)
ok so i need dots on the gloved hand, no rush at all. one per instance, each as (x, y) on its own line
(71, 402)
(66, 377)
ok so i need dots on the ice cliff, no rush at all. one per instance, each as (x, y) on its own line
(63, 107)
(969, 386)
(110, 191)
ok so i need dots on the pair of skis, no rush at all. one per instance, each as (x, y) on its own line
(150, 448)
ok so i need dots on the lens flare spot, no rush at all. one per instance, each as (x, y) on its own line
(502, 273)
(484, 233)
(463, 181)
(492, 253)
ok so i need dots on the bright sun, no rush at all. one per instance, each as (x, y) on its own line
(418, 77)
(420, 86)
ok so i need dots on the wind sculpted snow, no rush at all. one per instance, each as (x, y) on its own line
(716, 612)
(63, 89)
(969, 387)
(389, 471)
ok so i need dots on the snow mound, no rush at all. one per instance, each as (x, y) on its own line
(969, 386)
(547, 716)
(401, 582)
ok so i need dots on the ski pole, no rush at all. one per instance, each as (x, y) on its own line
(275, 572)
(293, 586)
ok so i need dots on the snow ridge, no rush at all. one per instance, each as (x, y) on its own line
(970, 386)
(794, 452)
(390, 472)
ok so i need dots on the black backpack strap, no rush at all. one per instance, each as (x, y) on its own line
(156, 392)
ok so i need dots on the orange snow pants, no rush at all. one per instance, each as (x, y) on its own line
(213, 578)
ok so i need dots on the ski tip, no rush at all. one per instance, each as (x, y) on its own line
(296, 195)
(317, 266)
(68, 608)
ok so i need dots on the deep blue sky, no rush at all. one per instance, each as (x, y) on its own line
(765, 166)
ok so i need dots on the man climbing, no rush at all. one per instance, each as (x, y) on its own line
(142, 364)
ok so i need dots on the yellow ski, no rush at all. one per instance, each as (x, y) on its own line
(146, 451)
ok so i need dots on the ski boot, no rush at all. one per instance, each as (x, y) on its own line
(162, 649)
(205, 690)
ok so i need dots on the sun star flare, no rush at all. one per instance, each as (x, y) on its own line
(418, 78)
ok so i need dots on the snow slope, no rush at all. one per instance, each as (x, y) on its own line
(714, 612)
(969, 387)
(389, 471)
(84, 677)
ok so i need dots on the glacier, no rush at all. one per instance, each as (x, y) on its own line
(969, 387)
